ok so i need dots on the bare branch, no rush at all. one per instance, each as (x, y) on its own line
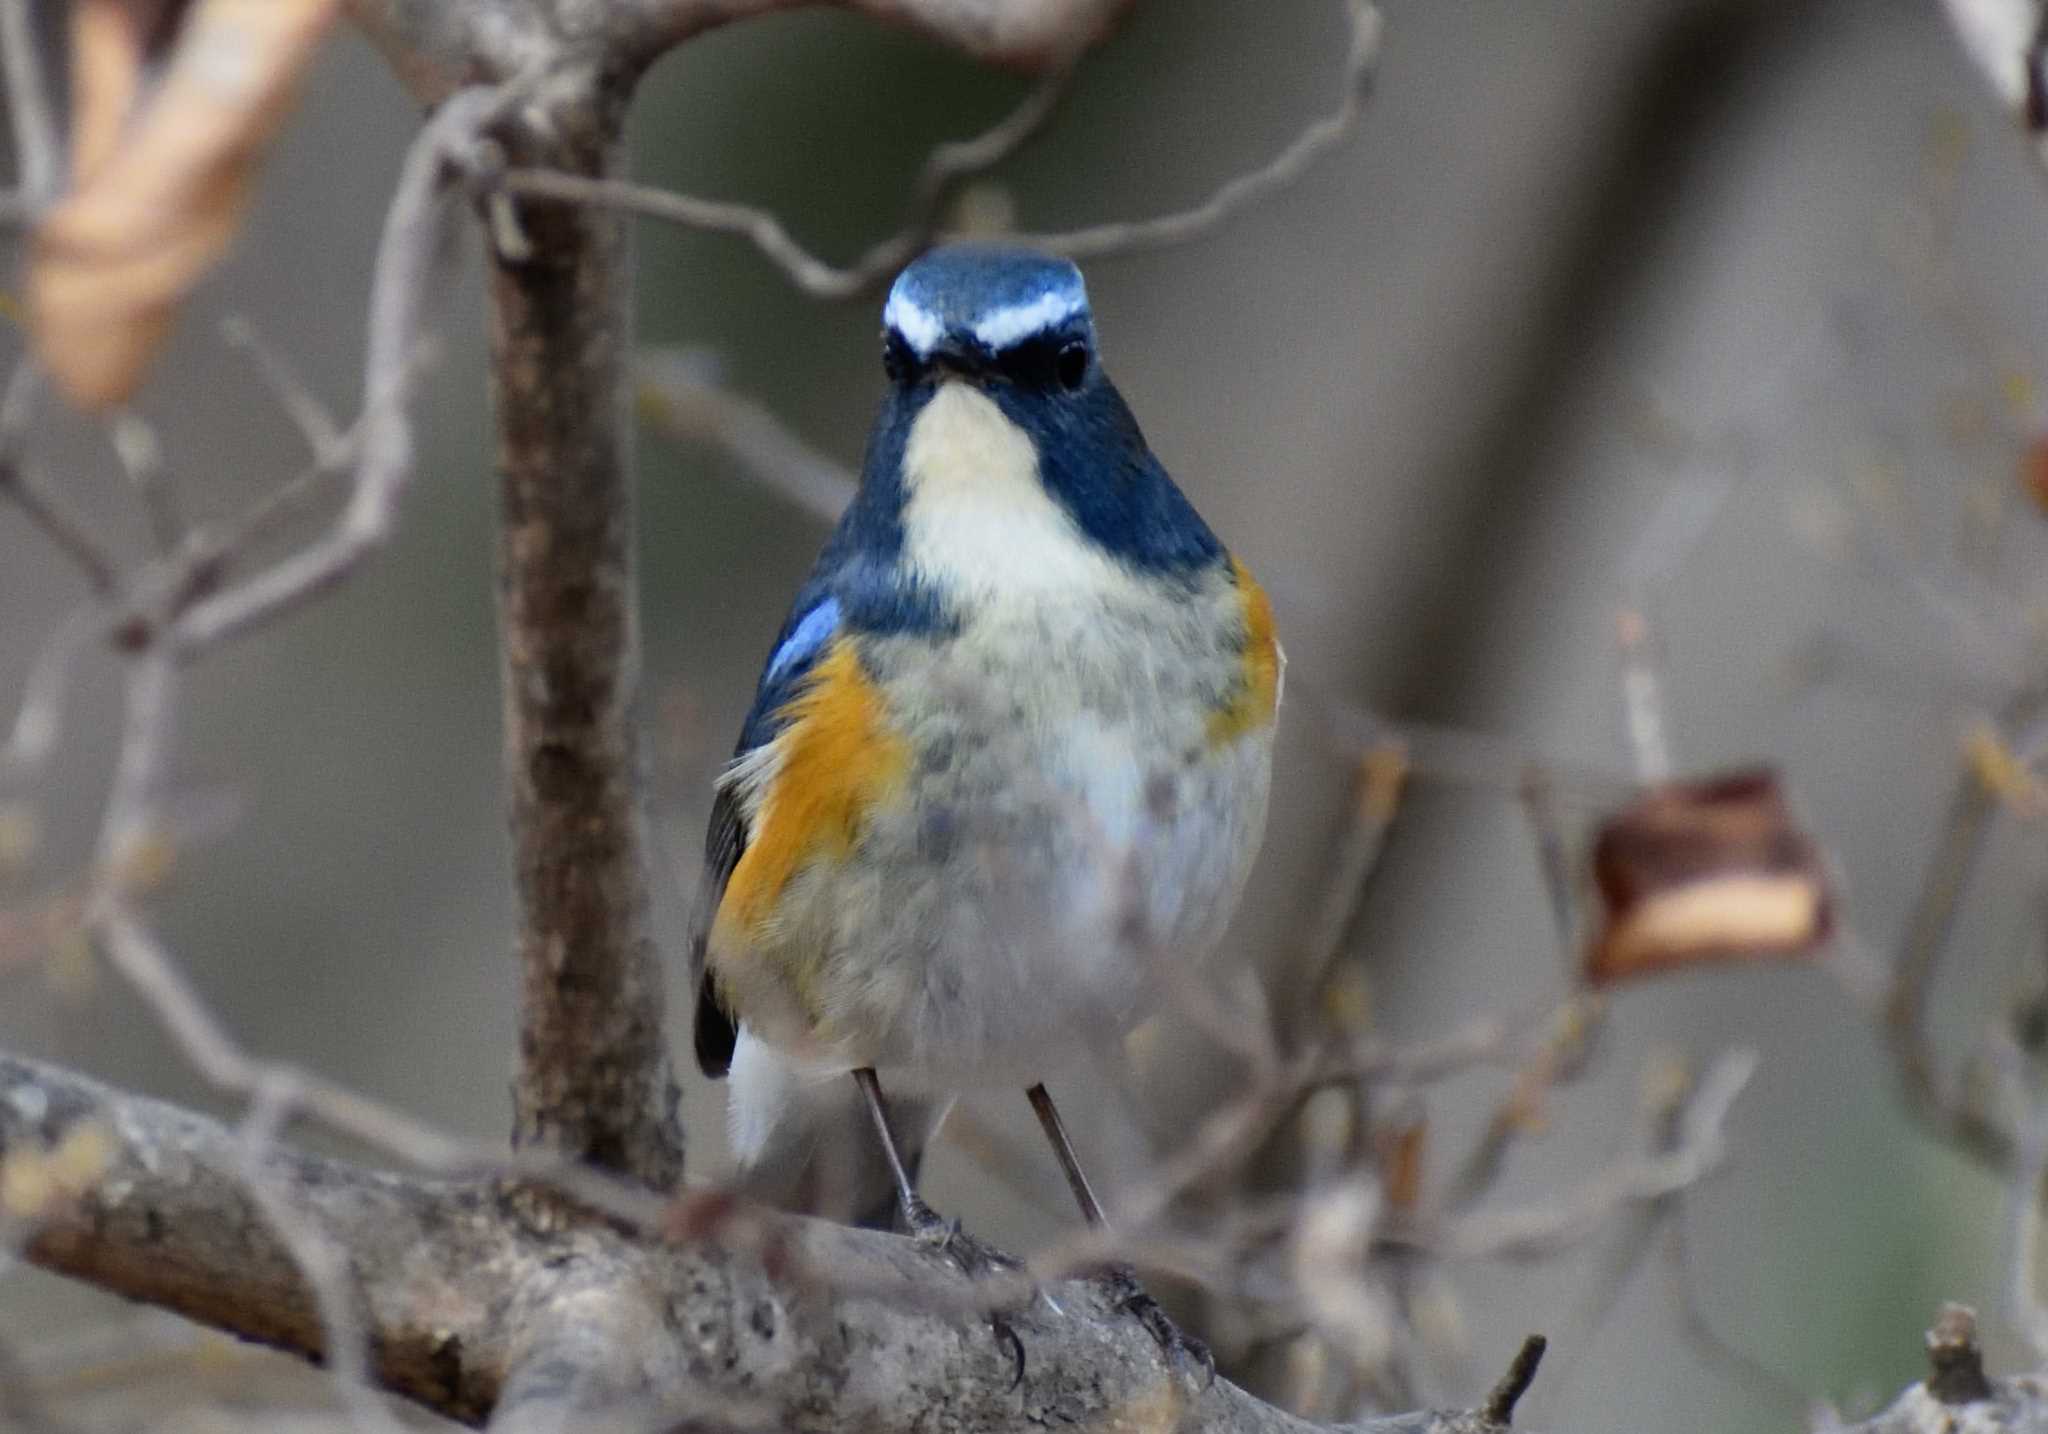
(136, 955)
(1377, 786)
(1321, 135)
(40, 717)
(323, 1263)
(944, 170)
(680, 399)
(1027, 33)
(2023, 1199)
(1521, 1373)
(170, 1221)
(461, 1301)
(418, 232)
(1957, 1396)
(1642, 697)
(438, 48)
(1963, 831)
(324, 440)
(949, 164)
(595, 1082)
(141, 455)
(38, 152)
(41, 506)
(1529, 1233)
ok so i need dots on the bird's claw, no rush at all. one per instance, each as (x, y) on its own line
(974, 1258)
(1126, 1294)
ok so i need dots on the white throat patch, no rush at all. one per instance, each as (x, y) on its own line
(975, 516)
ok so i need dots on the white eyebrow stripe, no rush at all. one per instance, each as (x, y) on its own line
(1005, 326)
(919, 326)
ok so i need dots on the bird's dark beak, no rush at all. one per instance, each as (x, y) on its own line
(959, 357)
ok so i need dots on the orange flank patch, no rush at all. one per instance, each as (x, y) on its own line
(839, 758)
(1256, 694)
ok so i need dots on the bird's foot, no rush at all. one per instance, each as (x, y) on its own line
(974, 1258)
(1121, 1285)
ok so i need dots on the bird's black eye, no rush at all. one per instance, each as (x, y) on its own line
(1071, 363)
(897, 359)
(1044, 360)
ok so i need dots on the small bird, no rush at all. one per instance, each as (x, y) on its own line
(1006, 768)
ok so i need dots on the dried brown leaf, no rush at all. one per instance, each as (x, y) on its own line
(161, 172)
(1702, 872)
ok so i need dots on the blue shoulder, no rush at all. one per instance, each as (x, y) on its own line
(852, 596)
(809, 629)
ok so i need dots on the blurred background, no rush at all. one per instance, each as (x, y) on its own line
(1726, 308)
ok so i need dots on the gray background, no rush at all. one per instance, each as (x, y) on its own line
(1584, 261)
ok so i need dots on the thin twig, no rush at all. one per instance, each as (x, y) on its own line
(680, 399)
(1499, 1407)
(1642, 697)
(2023, 1199)
(1324, 134)
(1538, 799)
(944, 170)
(141, 457)
(38, 150)
(324, 1265)
(1377, 787)
(1964, 829)
(39, 719)
(21, 485)
(309, 414)
(1532, 1233)
(410, 276)
(950, 164)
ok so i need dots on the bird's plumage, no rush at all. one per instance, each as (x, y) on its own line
(1007, 761)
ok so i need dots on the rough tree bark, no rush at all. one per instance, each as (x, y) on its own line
(475, 1310)
(594, 1082)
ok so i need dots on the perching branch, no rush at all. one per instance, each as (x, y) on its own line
(468, 1308)
(163, 1214)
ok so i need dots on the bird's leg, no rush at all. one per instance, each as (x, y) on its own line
(973, 1258)
(1119, 1280)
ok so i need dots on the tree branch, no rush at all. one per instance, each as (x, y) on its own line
(437, 48)
(952, 163)
(168, 1218)
(594, 1081)
(468, 1308)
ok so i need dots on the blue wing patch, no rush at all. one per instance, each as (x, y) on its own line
(803, 645)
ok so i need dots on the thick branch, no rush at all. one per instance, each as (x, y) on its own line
(594, 1078)
(462, 1300)
(437, 47)
(168, 1219)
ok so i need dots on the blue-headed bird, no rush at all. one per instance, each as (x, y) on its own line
(1006, 768)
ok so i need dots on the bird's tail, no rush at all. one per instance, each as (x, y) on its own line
(806, 1142)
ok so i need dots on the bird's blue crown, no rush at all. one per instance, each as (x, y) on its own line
(986, 297)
